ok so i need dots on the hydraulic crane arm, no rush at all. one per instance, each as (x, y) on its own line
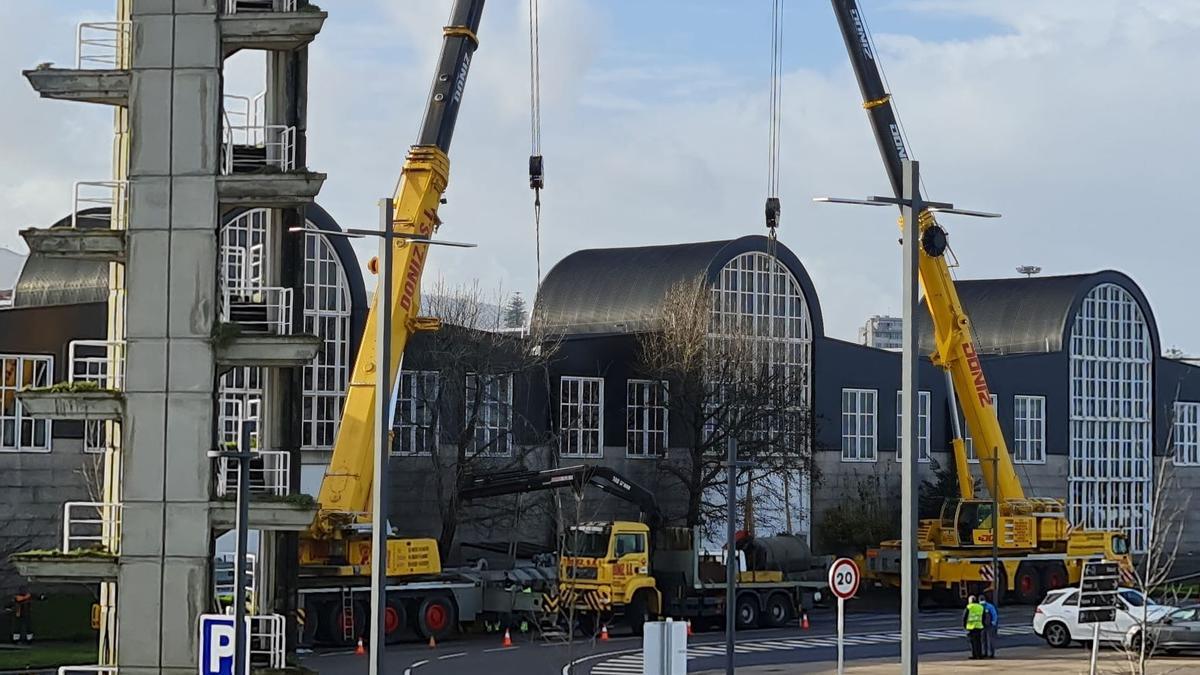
(955, 348)
(346, 488)
(577, 477)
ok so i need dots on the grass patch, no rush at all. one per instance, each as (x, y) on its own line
(48, 655)
(299, 500)
(80, 387)
(92, 552)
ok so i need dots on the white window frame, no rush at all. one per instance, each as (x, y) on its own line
(865, 413)
(327, 309)
(572, 405)
(1185, 434)
(17, 420)
(924, 401)
(1029, 429)
(493, 423)
(646, 418)
(969, 441)
(415, 417)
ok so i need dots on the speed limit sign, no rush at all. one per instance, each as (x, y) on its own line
(844, 578)
(843, 582)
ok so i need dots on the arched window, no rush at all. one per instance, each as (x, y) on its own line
(326, 313)
(1111, 419)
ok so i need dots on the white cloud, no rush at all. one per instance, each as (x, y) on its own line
(1074, 119)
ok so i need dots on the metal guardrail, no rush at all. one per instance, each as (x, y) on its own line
(91, 525)
(224, 581)
(247, 111)
(110, 194)
(101, 362)
(270, 473)
(264, 309)
(266, 640)
(235, 6)
(251, 147)
(103, 45)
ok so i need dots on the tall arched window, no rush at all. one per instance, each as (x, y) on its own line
(326, 313)
(757, 295)
(1111, 419)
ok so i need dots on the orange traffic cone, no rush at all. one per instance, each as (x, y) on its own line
(604, 633)
(804, 621)
(507, 638)
(359, 649)
(689, 624)
(432, 642)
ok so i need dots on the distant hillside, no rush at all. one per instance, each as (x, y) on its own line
(11, 263)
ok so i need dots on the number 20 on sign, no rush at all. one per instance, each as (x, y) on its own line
(843, 583)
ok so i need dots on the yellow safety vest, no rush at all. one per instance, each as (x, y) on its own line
(974, 616)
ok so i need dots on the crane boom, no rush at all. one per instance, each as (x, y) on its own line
(346, 487)
(577, 477)
(955, 348)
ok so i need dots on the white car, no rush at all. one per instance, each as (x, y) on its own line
(1056, 620)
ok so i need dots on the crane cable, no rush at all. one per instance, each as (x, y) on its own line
(772, 209)
(537, 177)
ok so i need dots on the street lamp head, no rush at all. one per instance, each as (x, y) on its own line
(1028, 270)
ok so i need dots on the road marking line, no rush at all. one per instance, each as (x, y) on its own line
(417, 664)
(451, 656)
(501, 649)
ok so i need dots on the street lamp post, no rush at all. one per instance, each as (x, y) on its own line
(383, 399)
(243, 455)
(911, 204)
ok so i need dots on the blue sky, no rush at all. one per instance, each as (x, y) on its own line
(655, 131)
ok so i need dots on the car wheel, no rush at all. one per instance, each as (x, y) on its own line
(1135, 644)
(1057, 635)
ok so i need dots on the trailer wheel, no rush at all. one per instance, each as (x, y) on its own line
(747, 611)
(395, 620)
(779, 611)
(310, 621)
(436, 617)
(1028, 585)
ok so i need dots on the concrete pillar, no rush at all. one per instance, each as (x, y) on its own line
(174, 148)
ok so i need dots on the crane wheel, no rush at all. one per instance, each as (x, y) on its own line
(395, 620)
(1027, 585)
(1054, 576)
(436, 618)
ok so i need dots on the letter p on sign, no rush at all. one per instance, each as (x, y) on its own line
(217, 645)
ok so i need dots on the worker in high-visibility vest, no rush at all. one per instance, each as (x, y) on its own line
(973, 622)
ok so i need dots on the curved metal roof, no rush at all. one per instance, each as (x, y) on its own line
(62, 281)
(1030, 315)
(620, 290)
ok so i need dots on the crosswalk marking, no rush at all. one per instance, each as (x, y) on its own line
(631, 664)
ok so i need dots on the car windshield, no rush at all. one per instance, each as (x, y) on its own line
(587, 543)
(1183, 615)
(1136, 599)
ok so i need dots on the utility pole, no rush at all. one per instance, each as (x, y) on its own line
(909, 581)
(383, 400)
(242, 454)
(731, 561)
(995, 533)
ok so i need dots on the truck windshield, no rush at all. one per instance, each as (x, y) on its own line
(587, 543)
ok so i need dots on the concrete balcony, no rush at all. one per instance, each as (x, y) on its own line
(265, 514)
(73, 404)
(269, 30)
(108, 87)
(269, 189)
(58, 567)
(266, 351)
(102, 245)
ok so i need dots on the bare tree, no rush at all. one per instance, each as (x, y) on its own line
(456, 403)
(722, 384)
(1151, 572)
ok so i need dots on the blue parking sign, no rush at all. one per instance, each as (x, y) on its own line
(216, 645)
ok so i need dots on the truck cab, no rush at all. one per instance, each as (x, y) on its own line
(605, 570)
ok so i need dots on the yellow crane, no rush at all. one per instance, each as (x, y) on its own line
(1039, 550)
(332, 543)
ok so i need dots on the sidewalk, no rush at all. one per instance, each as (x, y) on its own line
(1023, 660)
